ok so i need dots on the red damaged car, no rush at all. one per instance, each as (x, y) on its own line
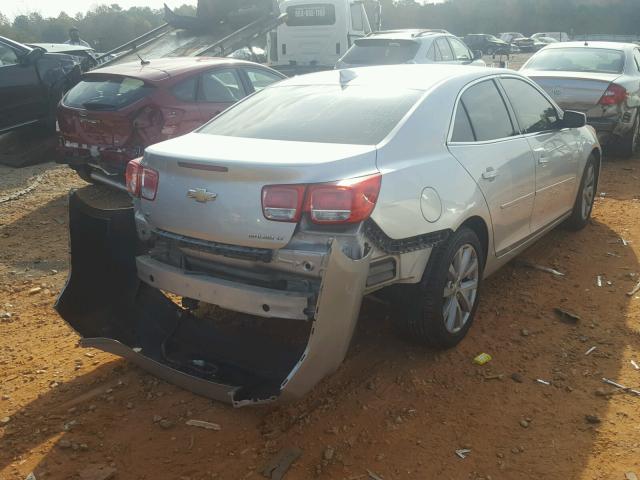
(115, 112)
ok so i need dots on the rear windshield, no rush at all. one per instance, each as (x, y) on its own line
(110, 93)
(592, 60)
(317, 113)
(375, 51)
(312, 14)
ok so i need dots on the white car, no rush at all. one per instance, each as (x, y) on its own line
(409, 46)
(559, 36)
(299, 200)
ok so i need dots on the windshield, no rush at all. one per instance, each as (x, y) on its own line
(592, 60)
(317, 113)
(110, 93)
(380, 51)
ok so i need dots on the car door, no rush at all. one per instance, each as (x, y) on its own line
(218, 90)
(22, 99)
(257, 78)
(554, 151)
(486, 142)
(182, 112)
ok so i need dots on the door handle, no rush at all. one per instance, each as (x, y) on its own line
(541, 155)
(490, 174)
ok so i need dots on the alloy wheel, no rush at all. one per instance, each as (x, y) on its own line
(588, 191)
(461, 289)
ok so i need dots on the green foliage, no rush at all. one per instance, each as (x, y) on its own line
(104, 27)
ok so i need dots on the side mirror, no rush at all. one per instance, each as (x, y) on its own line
(573, 119)
(477, 54)
(32, 57)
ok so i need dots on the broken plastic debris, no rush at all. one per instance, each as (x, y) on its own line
(599, 280)
(205, 425)
(533, 266)
(635, 290)
(567, 316)
(635, 365)
(278, 466)
(373, 476)
(482, 359)
(543, 382)
(590, 351)
(463, 452)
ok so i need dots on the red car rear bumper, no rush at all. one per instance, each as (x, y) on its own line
(111, 160)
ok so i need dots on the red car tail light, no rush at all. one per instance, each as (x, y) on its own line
(614, 95)
(347, 201)
(141, 181)
(283, 203)
(132, 177)
(149, 183)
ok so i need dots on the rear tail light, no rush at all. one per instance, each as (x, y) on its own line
(141, 181)
(347, 201)
(283, 203)
(614, 95)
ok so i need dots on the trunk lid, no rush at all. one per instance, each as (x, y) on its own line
(210, 187)
(574, 90)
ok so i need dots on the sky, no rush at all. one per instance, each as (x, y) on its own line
(51, 8)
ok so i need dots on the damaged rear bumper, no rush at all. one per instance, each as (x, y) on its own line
(115, 298)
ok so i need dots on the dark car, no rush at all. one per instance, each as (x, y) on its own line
(109, 118)
(32, 82)
(487, 44)
(525, 44)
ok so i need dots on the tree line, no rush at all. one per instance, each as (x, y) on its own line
(108, 26)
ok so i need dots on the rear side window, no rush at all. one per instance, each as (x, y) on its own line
(445, 50)
(535, 113)
(313, 14)
(186, 90)
(462, 131)
(354, 115)
(487, 112)
(379, 51)
(460, 50)
(106, 93)
(7, 56)
(220, 86)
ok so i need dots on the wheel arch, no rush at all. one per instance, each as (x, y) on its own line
(481, 229)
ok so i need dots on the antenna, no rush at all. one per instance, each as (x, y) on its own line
(142, 60)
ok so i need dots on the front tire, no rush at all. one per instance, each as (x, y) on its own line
(583, 206)
(439, 311)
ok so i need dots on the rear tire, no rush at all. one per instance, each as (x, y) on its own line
(583, 206)
(439, 311)
(629, 145)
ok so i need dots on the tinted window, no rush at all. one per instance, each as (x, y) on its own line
(312, 14)
(317, 113)
(581, 59)
(220, 86)
(378, 51)
(7, 56)
(186, 90)
(261, 78)
(445, 50)
(460, 50)
(110, 93)
(462, 131)
(534, 112)
(487, 112)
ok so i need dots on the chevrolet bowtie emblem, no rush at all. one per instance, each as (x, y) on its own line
(201, 195)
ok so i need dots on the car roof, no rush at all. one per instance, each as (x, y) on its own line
(163, 68)
(407, 34)
(607, 45)
(421, 77)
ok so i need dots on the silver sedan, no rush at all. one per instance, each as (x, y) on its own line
(301, 199)
(601, 79)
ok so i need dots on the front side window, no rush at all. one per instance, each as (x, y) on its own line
(460, 50)
(355, 114)
(445, 50)
(487, 112)
(578, 59)
(311, 15)
(220, 86)
(535, 113)
(260, 78)
(7, 56)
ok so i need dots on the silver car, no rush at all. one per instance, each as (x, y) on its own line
(602, 80)
(395, 47)
(419, 180)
